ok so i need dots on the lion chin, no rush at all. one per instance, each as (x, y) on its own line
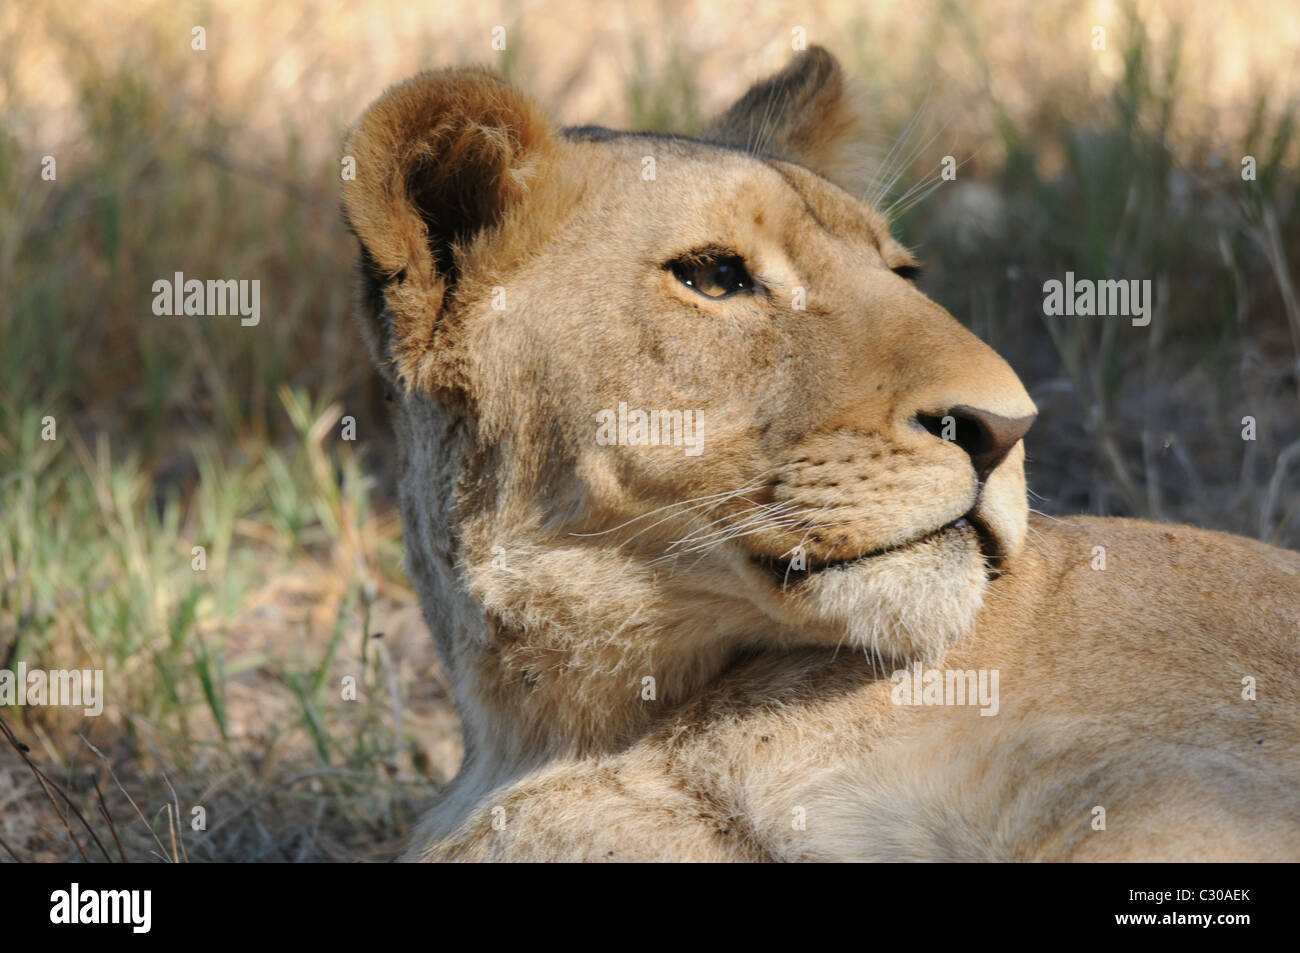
(908, 602)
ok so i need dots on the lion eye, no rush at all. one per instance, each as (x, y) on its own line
(713, 275)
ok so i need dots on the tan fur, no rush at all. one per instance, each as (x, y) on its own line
(634, 680)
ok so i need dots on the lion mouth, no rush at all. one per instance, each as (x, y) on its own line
(782, 568)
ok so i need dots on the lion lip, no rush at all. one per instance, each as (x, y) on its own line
(781, 568)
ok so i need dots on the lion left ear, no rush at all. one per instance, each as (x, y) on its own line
(808, 114)
(439, 161)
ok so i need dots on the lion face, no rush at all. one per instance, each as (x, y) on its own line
(772, 313)
(695, 375)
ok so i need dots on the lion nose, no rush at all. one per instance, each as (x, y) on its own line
(986, 437)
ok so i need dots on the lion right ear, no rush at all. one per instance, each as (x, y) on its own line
(438, 162)
(809, 113)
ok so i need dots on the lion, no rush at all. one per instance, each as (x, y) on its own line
(706, 503)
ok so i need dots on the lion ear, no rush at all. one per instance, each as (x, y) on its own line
(808, 113)
(435, 162)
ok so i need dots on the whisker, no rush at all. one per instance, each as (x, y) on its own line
(918, 193)
(1048, 516)
(758, 528)
(875, 189)
(749, 529)
(676, 509)
(669, 506)
(751, 515)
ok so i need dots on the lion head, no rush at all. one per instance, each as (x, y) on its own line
(664, 401)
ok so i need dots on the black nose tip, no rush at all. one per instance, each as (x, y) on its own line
(986, 437)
